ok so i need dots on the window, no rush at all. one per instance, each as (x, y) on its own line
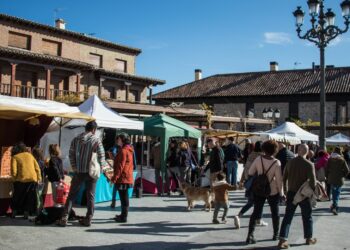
(19, 40)
(135, 95)
(110, 92)
(121, 66)
(341, 113)
(96, 60)
(51, 47)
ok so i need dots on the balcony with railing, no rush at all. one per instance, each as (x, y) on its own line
(35, 92)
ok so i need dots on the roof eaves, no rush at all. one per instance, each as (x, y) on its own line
(74, 34)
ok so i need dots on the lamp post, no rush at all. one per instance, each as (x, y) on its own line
(322, 31)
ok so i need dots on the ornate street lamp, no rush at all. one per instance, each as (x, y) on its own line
(270, 113)
(264, 113)
(277, 114)
(322, 31)
(251, 113)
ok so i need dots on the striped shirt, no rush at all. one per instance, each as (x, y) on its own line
(81, 149)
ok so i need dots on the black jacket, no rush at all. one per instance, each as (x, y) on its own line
(172, 159)
(184, 159)
(232, 153)
(284, 155)
(55, 170)
(216, 160)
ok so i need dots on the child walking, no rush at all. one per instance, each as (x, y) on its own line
(220, 189)
(54, 171)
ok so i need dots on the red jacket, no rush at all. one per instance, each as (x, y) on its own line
(124, 166)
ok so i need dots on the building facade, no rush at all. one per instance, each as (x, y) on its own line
(295, 93)
(46, 62)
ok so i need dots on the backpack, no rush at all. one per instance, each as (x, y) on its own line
(261, 184)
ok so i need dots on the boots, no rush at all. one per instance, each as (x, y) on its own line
(113, 204)
(250, 239)
(123, 217)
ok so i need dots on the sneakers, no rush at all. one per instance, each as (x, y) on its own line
(311, 241)
(224, 221)
(261, 223)
(237, 222)
(215, 221)
(283, 244)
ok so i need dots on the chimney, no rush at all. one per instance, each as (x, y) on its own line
(60, 24)
(273, 66)
(197, 74)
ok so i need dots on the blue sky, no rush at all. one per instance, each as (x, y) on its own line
(177, 36)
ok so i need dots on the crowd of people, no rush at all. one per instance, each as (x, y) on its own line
(271, 173)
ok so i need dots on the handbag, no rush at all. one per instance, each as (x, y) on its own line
(321, 175)
(95, 168)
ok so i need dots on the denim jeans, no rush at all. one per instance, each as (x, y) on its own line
(335, 195)
(232, 169)
(219, 205)
(306, 214)
(258, 209)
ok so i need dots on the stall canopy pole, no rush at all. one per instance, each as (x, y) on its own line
(142, 157)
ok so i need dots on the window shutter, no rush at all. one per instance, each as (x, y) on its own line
(19, 40)
(120, 66)
(51, 47)
(96, 60)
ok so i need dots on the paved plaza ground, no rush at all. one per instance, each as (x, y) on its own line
(164, 223)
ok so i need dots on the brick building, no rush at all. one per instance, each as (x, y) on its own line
(294, 92)
(46, 62)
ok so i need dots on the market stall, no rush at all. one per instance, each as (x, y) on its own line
(338, 140)
(293, 130)
(105, 118)
(165, 127)
(25, 120)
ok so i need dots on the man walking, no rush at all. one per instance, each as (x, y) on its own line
(284, 155)
(232, 155)
(337, 169)
(297, 172)
(80, 155)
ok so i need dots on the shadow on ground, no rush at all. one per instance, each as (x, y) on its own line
(169, 246)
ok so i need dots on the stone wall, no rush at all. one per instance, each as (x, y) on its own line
(283, 107)
(311, 110)
(230, 109)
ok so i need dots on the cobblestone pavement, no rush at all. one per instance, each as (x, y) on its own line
(164, 223)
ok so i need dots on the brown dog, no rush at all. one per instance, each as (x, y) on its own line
(196, 194)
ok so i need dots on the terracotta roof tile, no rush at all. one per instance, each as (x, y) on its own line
(279, 83)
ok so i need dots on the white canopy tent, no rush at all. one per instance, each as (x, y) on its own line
(338, 139)
(293, 130)
(263, 136)
(104, 117)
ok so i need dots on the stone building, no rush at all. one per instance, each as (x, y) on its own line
(46, 62)
(295, 93)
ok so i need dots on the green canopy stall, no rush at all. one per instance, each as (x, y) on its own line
(165, 127)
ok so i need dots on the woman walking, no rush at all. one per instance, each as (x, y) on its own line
(26, 174)
(257, 151)
(267, 186)
(123, 174)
